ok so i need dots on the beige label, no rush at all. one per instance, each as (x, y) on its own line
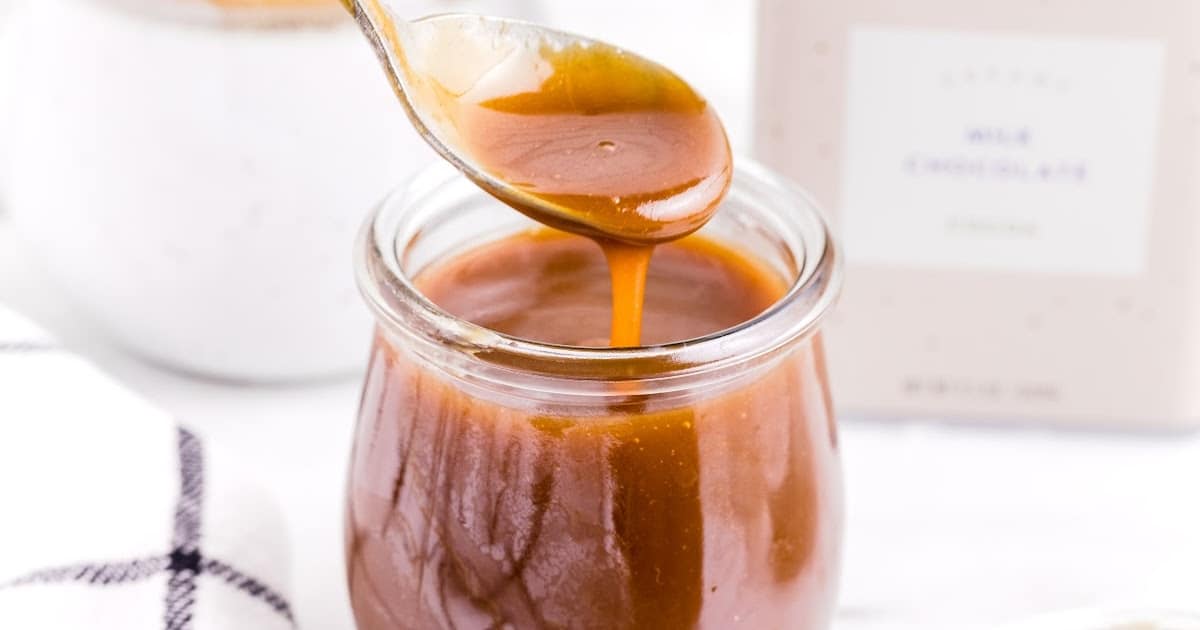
(1009, 152)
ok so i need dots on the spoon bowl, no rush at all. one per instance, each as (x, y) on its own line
(576, 133)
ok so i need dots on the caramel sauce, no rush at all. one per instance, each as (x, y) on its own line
(470, 512)
(618, 142)
(563, 294)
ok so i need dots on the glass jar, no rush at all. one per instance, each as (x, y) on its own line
(497, 482)
(193, 172)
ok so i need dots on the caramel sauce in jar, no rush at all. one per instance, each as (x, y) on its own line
(473, 511)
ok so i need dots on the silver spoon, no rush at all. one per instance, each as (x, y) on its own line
(441, 63)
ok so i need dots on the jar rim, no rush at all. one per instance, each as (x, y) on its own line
(400, 308)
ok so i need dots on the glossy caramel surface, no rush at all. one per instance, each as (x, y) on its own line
(620, 143)
(553, 287)
(621, 148)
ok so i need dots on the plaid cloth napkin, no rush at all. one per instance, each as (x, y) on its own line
(112, 516)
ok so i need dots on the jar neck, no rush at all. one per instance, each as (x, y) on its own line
(440, 214)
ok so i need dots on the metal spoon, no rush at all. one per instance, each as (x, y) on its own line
(441, 64)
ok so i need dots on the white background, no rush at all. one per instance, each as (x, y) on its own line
(950, 527)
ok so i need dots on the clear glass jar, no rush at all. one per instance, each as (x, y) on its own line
(194, 172)
(498, 482)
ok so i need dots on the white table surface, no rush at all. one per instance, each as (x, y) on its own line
(949, 526)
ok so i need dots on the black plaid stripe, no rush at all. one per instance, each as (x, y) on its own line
(99, 574)
(250, 586)
(184, 564)
(185, 553)
(181, 599)
(191, 493)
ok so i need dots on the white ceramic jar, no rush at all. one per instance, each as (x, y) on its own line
(194, 173)
(1014, 183)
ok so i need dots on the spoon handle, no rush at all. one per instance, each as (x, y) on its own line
(383, 32)
(358, 10)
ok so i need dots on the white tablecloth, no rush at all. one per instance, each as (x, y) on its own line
(117, 518)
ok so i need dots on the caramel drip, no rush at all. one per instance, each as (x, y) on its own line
(628, 266)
